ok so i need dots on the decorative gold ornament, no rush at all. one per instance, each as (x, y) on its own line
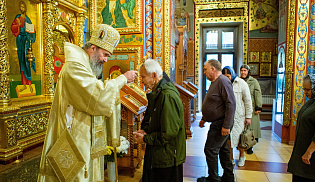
(31, 124)
(65, 157)
(48, 23)
(30, 56)
(197, 2)
(105, 37)
(4, 57)
(289, 63)
(167, 38)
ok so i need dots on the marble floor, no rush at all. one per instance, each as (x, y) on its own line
(268, 163)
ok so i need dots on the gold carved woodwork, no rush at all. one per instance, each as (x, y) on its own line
(80, 29)
(218, 1)
(181, 59)
(221, 13)
(193, 89)
(31, 124)
(4, 56)
(11, 136)
(191, 58)
(186, 96)
(133, 104)
(76, 14)
(22, 125)
(287, 119)
(48, 23)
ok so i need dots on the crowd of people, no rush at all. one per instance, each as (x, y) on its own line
(85, 116)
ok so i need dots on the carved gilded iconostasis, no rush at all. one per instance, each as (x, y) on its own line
(32, 35)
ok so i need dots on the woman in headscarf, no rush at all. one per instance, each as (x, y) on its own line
(302, 161)
(243, 112)
(256, 97)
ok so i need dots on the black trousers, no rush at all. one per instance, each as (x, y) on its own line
(217, 144)
(171, 174)
(296, 178)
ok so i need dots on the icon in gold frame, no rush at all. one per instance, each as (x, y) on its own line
(253, 56)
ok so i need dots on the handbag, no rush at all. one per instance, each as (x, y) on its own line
(247, 139)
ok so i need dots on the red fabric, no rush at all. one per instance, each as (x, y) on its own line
(24, 80)
(57, 67)
(15, 27)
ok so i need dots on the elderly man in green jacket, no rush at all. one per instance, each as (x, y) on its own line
(255, 92)
(164, 134)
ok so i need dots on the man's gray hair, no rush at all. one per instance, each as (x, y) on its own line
(214, 63)
(152, 66)
(88, 45)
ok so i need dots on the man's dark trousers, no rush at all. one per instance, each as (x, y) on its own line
(217, 144)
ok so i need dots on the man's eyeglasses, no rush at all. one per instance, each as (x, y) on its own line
(306, 89)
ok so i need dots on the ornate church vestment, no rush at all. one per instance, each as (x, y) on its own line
(84, 119)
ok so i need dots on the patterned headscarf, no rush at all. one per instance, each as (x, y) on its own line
(312, 78)
(233, 74)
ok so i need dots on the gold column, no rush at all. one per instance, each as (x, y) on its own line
(4, 57)
(287, 119)
(80, 29)
(48, 23)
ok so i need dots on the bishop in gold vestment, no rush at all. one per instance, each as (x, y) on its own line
(85, 114)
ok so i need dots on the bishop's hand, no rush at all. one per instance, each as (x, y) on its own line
(131, 75)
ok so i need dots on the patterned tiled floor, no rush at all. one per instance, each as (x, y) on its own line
(268, 163)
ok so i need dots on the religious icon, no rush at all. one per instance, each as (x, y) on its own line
(265, 69)
(24, 31)
(254, 69)
(266, 57)
(114, 72)
(117, 14)
(253, 56)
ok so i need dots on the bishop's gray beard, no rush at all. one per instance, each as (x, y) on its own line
(97, 68)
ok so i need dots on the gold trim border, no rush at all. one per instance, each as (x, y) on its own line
(167, 38)
(138, 12)
(197, 2)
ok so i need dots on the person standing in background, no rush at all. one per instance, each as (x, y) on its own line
(255, 92)
(243, 112)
